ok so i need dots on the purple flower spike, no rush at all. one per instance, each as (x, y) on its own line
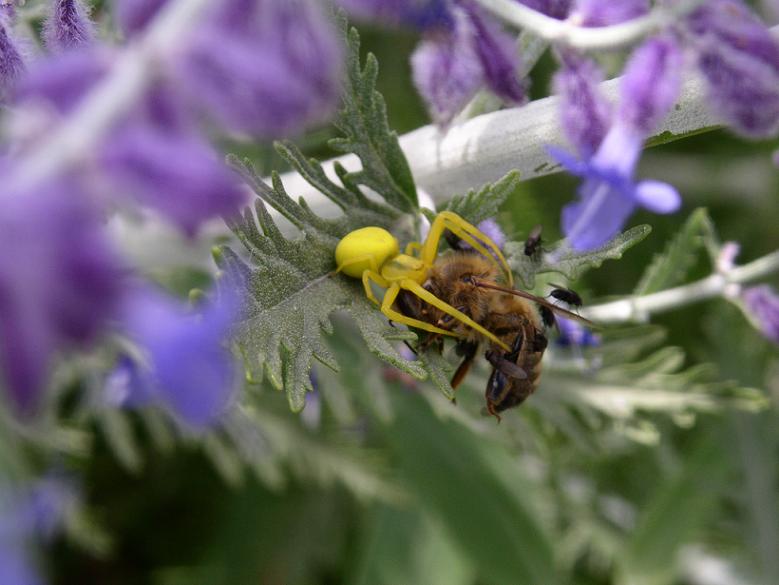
(11, 62)
(191, 370)
(67, 27)
(575, 334)
(762, 304)
(650, 84)
(59, 283)
(269, 68)
(608, 12)
(739, 58)
(585, 113)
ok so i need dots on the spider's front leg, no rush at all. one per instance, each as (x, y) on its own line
(446, 220)
(397, 317)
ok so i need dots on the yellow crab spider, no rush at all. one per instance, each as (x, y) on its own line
(373, 254)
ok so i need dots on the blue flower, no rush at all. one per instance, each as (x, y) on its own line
(762, 305)
(189, 368)
(608, 195)
(573, 333)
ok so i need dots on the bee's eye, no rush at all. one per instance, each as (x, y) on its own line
(467, 278)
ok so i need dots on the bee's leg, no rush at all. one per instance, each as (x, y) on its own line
(505, 366)
(469, 234)
(466, 349)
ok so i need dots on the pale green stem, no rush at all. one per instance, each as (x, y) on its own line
(639, 308)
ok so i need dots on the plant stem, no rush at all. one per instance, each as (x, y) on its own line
(641, 307)
(565, 32)
(135, 69)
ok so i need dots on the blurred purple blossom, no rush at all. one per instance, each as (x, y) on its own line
(609, 195)
(35, 514)
(584, 112)
(762, 304)
(67, 27)
(575, 334)
(452, 63)
(190, 368)
(58, 287)
(555, 8)
(134, 15)
(739, 59)
(11, 61)
(268, 68)
(490, 228)
(608, 12)
(420, 14)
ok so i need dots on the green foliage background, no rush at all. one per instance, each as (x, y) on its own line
(659, 456)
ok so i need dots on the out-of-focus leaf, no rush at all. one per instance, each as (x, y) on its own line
(563, 260)
(678, 508)
(680, 255)
(451, 471)
(405, 546)
(121, 438)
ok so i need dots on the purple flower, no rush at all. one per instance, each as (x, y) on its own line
(573, 333)
(452, 63)
(11, 62)
(190, 368)
(59, 283)
(269, 68)
(134, 15)
(420, 14)
(608, 195)
(155, 156)
(739, 59)
(174, 172)
(37, 513)
(67, 27)
(762, 305)
(555, 8)
(585, 113)
(608, 12)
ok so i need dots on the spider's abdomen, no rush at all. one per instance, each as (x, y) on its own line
(364, 249)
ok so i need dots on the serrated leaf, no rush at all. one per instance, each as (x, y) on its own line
(571, 264)
(680, 255)
(363, 121)
(476, 206)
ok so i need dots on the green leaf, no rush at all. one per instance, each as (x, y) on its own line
(363, 121)
(472, 485)
(571, 264)
(680, 506)
(476, 206)
(680, 255)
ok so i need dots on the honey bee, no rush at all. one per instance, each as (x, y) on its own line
(519, 320)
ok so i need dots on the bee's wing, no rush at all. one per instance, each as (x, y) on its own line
(531, 297)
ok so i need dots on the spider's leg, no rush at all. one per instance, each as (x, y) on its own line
(393, 315)
(367, 277)
(429, 297)
(412, 248)
(469, 234)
